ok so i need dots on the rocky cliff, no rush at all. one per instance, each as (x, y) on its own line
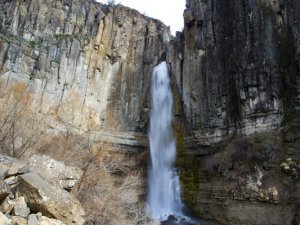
(237, 66)
(85, 64)
(236, 79)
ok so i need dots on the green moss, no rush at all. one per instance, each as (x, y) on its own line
(189, 177)
(35, 44)
(54, 61)
(31, 76)
(11, 39)
(14, 39)
(188, 164)
(61, 37)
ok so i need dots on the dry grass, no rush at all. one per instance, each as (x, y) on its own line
(21, 126)
(112, 189)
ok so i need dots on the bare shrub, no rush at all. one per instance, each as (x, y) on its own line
(21, 126)
(111, 189)
(110, 2)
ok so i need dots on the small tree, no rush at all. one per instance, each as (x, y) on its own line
(21, 127)
(110, 2)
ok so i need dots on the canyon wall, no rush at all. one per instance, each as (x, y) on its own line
(236, 74)
(85, 64)
(237, 66)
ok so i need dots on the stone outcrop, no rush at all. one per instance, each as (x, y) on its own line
(4, 220)
(85, 64)
(244, 182)
(10, 166)
(4, 190)
(56, 171)
(236, 66)
(43, 194)
(20, 207)
(235, 71)
(50, 199)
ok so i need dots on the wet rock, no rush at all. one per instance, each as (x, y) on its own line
(174, 220)
(222, 90)
(53, 170)
(49, 199)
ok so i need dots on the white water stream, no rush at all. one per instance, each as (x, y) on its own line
(164, 188)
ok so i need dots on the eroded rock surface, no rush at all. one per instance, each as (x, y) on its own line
(86, 64)
(235, 69)
(53, 170)
(50, 199)
(236, 65)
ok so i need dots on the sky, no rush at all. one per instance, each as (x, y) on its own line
(170, 12)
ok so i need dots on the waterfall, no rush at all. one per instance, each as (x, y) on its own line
(164, 188)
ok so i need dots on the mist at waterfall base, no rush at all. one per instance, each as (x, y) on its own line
(164, 199)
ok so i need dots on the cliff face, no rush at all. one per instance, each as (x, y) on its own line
(237, 66)
(235, 70)
(85, 64)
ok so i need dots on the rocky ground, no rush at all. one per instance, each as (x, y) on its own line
(37, 192)
(251, 180)
(108, 188)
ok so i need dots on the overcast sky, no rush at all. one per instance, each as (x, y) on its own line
(168, 11)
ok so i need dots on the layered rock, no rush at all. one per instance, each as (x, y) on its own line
(86, 64)
(235, 68)
(236, 65)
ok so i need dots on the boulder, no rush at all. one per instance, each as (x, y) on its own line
(4, 220)
(50, 199)
(11, 181)
(4, 190)
(48, 221)
(19, 220)
(10, 166)
(20, 207)
(53, 170)
(32, 219)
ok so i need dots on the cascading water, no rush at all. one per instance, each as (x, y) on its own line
(164, 188)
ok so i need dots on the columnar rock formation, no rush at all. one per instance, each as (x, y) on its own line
(237, 66)
(235, 70)
(86, 64)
